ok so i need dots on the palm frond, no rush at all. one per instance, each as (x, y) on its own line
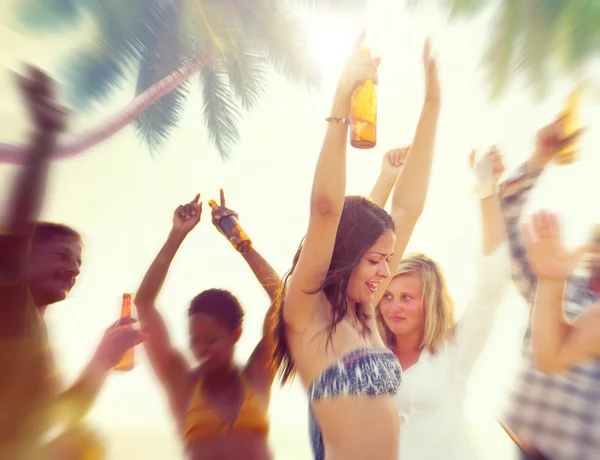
(122, 30)
(164, 53)
(499, 56)
(47, 15)
(578, 34)
(91, 76)
(537, 47)
(248, 74)
(467, 8)
(220, 111)
(211, 24)
(325, 5)
(280, 37)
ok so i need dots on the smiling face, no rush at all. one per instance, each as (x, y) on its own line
(53, 269)
(402, 306)
(371, 270)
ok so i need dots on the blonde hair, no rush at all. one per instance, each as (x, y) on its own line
(439, 307)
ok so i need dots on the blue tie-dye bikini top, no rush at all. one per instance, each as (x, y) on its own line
(362, 372)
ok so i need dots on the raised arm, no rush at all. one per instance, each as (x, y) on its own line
(169, 365)
(515, 193)
(557, 345)
(492, 271)
(327, 197)
(410, 191)
(259, 363)
(26, 200)
(391, 165)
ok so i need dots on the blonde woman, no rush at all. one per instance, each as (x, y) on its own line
(437, 354)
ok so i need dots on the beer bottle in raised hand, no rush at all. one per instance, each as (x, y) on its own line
(233, 231)
(126, 363)
(363, 120)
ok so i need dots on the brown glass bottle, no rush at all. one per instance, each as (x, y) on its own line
(363, 124)
(231, 228)
(126, 363)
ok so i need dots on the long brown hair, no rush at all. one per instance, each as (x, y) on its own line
(361, 224)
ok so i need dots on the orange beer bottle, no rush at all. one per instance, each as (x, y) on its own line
(231, 228)
(126, 363)
(570, 125)
(363, 118)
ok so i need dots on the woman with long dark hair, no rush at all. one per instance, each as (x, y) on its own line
(326, 328)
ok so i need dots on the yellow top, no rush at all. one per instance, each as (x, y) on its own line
(27, 383)
(203, 422)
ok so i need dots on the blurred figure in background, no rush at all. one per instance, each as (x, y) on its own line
(39, 264)
(220, 408)
(437, 353)
(549, 416)
(560, 345)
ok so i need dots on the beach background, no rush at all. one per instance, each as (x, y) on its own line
(121, 200)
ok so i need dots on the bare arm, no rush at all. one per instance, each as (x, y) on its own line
(326, 201)
(409, 194)
(556, 344)
(259, 363)
(169, 364)
(26, 201)
(391, 166)
(559, 345)
(265, 274)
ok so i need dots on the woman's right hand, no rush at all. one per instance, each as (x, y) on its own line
(359, 67)
(187, 216)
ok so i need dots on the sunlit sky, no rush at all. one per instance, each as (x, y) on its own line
(121, 200)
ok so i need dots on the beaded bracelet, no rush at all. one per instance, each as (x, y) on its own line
(344, 120)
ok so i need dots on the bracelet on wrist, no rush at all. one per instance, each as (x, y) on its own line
(344, 120)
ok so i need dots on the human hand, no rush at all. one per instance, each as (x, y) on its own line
(187, 216)
(117, 339)
(392, 162)
(37, 89)
(359, 67)
(222, 211)
(547, 255)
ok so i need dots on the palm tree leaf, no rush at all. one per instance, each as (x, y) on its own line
(48, 15)
(336, 5)
(211, 24)
(499, 56)
(537, 48)
(279, 36)
(121, 35)
(164, 54)
(220, 111)
(467, 7)
(578, 34)
(248, 74)
(91, 76)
